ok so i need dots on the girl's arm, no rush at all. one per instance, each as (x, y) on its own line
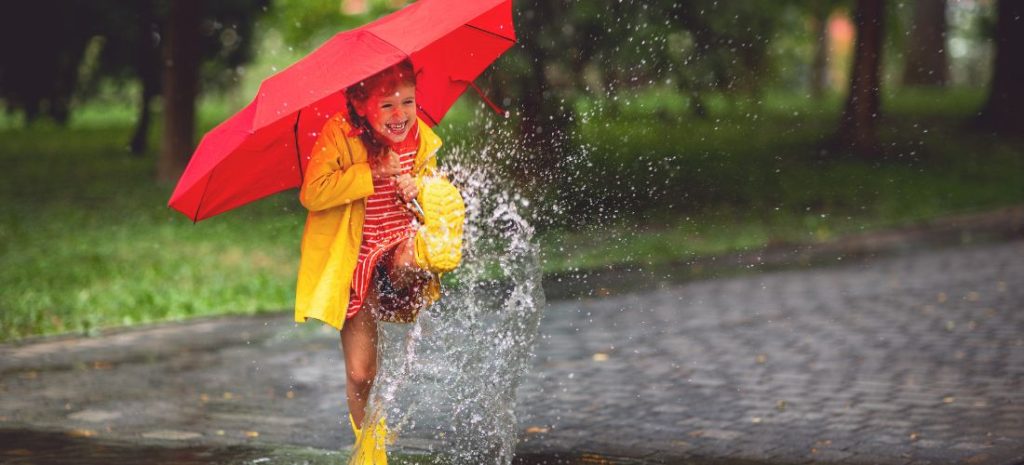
(326, 184)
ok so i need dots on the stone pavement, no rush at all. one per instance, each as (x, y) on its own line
(910, 359)
(914, 358)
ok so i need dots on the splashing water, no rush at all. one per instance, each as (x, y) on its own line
(447, 382)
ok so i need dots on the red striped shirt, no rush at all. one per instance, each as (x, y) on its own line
(387, 223)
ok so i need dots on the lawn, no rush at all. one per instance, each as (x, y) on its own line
(87, 242)
(668, 187)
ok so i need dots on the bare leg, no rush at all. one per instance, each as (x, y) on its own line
(402, 257)
(403, 270)
(359, 345)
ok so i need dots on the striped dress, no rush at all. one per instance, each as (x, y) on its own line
(387, 223)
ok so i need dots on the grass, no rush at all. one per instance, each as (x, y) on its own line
(86, 241)
(670, 187)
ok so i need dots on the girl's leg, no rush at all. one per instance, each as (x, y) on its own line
(402, 257)
(403, 270)
(359, 345)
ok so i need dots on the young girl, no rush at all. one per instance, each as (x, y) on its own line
(366, 255)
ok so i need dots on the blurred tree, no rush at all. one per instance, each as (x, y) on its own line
(544, 115)
(926, 62)
(206, 42)
(180, 87)
(1002, 112)
(42, 43)
(725, 55)
(863, 104)
(42, 80)
(305, 24)
(147, 67)
(819, 13)
(571, 50)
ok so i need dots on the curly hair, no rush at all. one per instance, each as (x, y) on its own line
(381, 83)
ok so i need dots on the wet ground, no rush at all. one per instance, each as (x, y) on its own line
(27, 446)
(41, 447)
(913, 356)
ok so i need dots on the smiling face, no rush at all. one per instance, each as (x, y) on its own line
(391, 113)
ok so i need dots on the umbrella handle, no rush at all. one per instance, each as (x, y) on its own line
(414, 205)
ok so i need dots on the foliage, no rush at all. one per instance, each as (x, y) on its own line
(77, 44)
(305, 24)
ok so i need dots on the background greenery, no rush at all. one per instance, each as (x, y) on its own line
(87, 242)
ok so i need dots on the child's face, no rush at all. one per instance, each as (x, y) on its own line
(391, 114)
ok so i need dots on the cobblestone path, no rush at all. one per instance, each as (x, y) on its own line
(910, 359)
(915, 358)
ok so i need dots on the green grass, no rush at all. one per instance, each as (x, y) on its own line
(86, 241)
(671, 186)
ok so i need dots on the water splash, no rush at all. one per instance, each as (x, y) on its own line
(447, 382)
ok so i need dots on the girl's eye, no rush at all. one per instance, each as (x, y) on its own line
(386, 105)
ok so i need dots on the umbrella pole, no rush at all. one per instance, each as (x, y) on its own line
(298, 154)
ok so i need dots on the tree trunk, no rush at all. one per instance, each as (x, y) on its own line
(1004, 112)
(926, 60)
(141, 133)
(857, 125)
(819, 64)
(181, 85)
(147, 65)
(543, 124)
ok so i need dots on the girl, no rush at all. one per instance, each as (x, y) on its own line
(365, 257)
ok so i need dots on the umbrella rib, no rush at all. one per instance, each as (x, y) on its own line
(424, 110)
(485, 31)
(195, 219)
(298, 155)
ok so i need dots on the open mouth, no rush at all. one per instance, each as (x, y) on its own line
(397, 129)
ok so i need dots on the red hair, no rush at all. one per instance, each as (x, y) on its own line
(382, 83)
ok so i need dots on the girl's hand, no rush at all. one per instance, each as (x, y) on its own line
(385, 166)
(406, 187)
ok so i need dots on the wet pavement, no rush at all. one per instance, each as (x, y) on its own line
(55, 447)
(915, 357)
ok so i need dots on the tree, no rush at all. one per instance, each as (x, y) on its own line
(131, 51)
(819, 62)
(41, 79)
(180, 87)
(544, 118)
(1003, 110)
(198, 32)
(147, 66)
(926, 59)
(863, 104)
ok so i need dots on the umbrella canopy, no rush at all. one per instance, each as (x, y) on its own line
(264, 148)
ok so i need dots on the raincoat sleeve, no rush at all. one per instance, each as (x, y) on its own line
(328, 183)
(428, 166)
(429, 169)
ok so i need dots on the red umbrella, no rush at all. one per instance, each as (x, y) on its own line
(264, 148)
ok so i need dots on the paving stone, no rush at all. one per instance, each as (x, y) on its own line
(916, 358)
(864, 354)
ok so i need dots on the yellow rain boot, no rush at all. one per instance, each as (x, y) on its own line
(371, 449)
(438, 244)
(382, 437)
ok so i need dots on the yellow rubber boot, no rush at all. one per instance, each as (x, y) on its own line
(438, 244)
(370, 449)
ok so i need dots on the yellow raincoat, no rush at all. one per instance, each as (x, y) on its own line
(336, 185)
